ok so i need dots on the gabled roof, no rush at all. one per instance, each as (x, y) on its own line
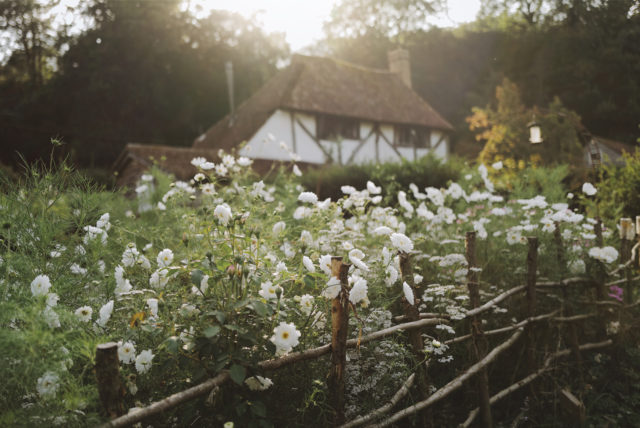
(329, 86)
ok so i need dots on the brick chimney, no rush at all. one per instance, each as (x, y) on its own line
(399, 64)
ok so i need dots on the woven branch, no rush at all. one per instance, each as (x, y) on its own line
(574, 318)
(454, 384)
(499, 298)
(565, 282)
(503, 329)
(169, 402)
(533, 376)
(628, 262)
(402, 318)
(404, 390)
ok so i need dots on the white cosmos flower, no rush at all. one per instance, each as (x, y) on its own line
(604, 254)
(126, 352)
(165, 257)
(408, 293)
(268, 291)
(143, 361)
(285, 337)
(159, 278)
(332, 289)
(347, 190)
(308, 264)
(51, 317)
(308, 197)
(325, 264)
(48, 385)
(383, 230)
(105, 313)
(198, 161)
(372, 189)
(258, 383)
(297, 171)
(401, 242)
(306, 304)
(279, 227)
(588, 189)
(84, 313)
(130, 256)
(359, 291)
(153, 306)
(40, 285)
(391, 276)
(244, 161)
(497, 166)
(222, 213)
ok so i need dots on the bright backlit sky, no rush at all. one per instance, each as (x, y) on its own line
(301, 20)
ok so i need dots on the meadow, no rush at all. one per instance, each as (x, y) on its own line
(216, 275)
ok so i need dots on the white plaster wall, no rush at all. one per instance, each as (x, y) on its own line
(268, 141)
(262, 146)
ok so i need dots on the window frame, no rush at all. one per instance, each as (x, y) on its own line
(334, 128)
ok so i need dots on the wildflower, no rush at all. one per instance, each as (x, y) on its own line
(306, 304)
(77, 269)
(359, 291)
(332, 289)
(348, 190)
(40, 285)
(244, 161)
(208, 189)
(258, 383)
(604, 254)
(279, 227)
(408, 293)
(308, 264)
(159, 278)
(268, 291)
(48, 385)
(143, 361)
(105, 313)
(296, 171)
(616, 292)
(306, 238)
(308, 197)
(514, 237)
(325, 264)
(198, 161)
(84, 313)
(126, 352)
(165, 257)
(153, 306)
(401, 242)
(391, 276)
(373, 189)
(285, 337)
(589, 189)
(130, 256)
(51, 317)
(223, 214)
(221, 169)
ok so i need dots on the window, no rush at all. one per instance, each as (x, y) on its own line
(411, 136)
(337, 128)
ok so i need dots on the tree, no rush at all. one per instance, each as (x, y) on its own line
(503, 129)
(26, 26)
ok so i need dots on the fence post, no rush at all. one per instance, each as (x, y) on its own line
(110, 385)
(480, 345)
(339, 330)
(415, 336)
(627, 233)
(532, 267)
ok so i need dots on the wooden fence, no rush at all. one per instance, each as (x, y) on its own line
(412, 322)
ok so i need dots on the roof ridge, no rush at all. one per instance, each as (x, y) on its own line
(343, 63)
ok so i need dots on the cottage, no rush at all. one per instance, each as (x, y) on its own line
(322, 110)
(315, 111)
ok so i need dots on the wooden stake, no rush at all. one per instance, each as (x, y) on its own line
(412, 313)
(532, 267)
(110, 385)
(339, 330)
(480, 345)
(627, 233)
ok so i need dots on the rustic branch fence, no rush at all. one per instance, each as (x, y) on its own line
(413, 322)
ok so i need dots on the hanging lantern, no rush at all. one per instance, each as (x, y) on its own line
(535, 135)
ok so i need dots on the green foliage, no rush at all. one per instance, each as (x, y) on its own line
(619, 188)
(425, 172)
(504, 131)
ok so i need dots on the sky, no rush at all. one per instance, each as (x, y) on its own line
(301, 20)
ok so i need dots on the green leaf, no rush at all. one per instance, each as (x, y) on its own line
(237, 373)
(259, 409)
(196, 277)
(172, 345)
(260, 308)
(211, 331)
(234, 327)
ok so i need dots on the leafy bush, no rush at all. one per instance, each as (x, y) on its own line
(425, 172)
